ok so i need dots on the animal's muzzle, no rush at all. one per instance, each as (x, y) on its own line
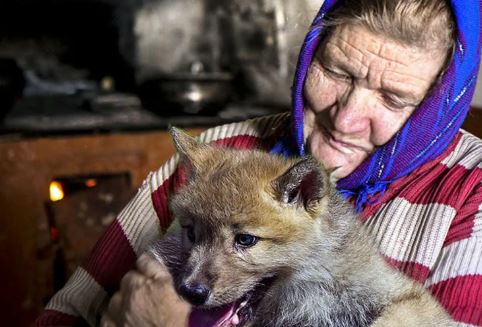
(195, 293)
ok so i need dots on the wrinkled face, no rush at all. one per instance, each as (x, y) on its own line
(360, 89)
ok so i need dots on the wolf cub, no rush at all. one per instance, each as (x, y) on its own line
(267, 241)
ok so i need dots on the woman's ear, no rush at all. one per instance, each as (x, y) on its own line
(303, 184)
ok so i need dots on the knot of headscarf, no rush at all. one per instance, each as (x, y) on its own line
(366, 193)
(428, 131)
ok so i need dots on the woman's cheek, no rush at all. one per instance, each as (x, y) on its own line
(386, 124)
(313, 79)
(320, 91)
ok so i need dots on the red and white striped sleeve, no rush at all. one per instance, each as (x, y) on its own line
(429, 226)
(456, 278)
(85, 296)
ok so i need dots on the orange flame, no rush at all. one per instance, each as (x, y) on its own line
(91, 182)
(56, 191)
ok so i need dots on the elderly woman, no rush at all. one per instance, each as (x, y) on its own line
(381, 90)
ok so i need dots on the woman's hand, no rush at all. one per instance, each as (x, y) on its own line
(146, 298)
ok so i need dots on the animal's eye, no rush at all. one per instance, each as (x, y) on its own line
(189, 230)
(246, 240)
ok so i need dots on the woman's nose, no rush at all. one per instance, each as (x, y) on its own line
(353, 110)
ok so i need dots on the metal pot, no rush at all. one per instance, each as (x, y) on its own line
(186, 93)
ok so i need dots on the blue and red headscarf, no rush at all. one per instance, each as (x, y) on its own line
(429, 130)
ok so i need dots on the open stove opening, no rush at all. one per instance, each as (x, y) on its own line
(78, 210)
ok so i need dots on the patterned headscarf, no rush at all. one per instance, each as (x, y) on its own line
(428, 131)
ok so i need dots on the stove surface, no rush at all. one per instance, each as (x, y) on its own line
(114, 112)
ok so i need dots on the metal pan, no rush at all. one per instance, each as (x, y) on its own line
(186, 94)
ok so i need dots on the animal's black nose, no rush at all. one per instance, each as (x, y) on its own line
(195, 293)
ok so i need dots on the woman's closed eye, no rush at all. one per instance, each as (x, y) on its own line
(338, 75)
(394, 102)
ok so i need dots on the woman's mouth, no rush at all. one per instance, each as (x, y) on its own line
(339, 143)
(343, 147)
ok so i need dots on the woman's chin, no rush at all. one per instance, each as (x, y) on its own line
(342, 164)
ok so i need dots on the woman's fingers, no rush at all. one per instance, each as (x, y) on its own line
(146, 298)
(151, 267)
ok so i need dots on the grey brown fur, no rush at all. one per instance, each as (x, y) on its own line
(325, 267)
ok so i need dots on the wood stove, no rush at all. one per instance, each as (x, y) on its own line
(43, 238)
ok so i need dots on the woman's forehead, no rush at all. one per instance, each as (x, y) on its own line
(381, 61)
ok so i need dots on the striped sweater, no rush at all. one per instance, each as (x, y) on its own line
(428, 224)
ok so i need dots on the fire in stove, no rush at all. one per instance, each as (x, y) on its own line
(57, 187)
(56, 191)
(78, 211)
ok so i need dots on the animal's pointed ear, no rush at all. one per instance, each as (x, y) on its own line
(184, 143)
(187, 146)
(303, 184)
